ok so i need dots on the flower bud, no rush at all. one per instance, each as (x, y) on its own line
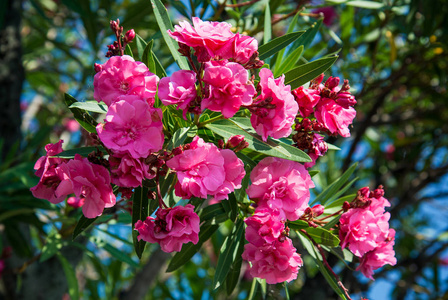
(98, 68)
(235, 140)
(332, 82)
(129, 36)
(318, 209)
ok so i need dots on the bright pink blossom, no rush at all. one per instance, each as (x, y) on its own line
(276, 262)
(307, 99)
(122, 75)
(229, 87)
(172, 228)
(281, 184)
(275, 122)
(206, 170)
(178, 89)
(240, 49)
(264, 226)
(362, 230)
(132, 126)
(208, 36)
(335, 117)
(88, 181)
(383, 254)
(127, 171)
(46, 168)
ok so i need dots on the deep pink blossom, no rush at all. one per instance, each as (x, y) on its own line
(178, 89)
(335, 117)
(362, 230)
(383, 254)
(127, 171)
(88, 181)
(132, 126)
(171, 228)
(240, 49)
(264, 226)
(319, 148)
(122, 75)
(275, 122)
(307, 99)
(281, 184)
(276, 262)
(229, 87)
(206, 170)
(210, 36)
(46, 168)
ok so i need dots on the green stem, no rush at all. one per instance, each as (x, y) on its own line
(202, 124)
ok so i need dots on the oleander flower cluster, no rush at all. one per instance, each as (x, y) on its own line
(135, 149)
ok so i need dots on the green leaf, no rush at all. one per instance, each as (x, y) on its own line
(253, 289)
(147, 57)
(92, 106)
(299, 224)
(267, 24)
(328, 192)
(188, 250)
(214, 214)
(306, 39)
(233, 204)
(228, 253)
(235, 268)
(323, 236)
(340, 201)
(83, 151)
(128, 51)
(307, 72)
(365, 4)
(340, 192)
(141, 46)
(70, 275)
(333, 222)
(120, 255)
(52, 245)
(164, 22)
(228, 128)
(277, 44)
(332, 147)
(82, 116)
(82, 225)
(178, 138)
(139, 212)
(291, 27)
(289, 62)
(160, 70)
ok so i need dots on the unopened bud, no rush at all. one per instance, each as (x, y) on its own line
(115, 25)
(177, 151)
(318, 209)
(221, 144)
(346, 206)
(235, 140)
(98, 68)
(129, 36)
(332, 82)
(378, 193)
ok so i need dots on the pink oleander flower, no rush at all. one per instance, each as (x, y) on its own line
(172, 228)
(276, 262)
(307, 99)
(178, 89)
(71, 125)
(275, 122)
(335, 117)
(203, 35)
(75, 202)
(46, 168)
(264, 226)
(281, 184)
(206, 170)
(132, 126)
(383, 254)
(228, 87)
(127, 171)
(319, 149)
(88, 181)
(122, 75)
(362, 230)
(240, 49)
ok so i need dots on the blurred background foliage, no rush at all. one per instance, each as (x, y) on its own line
(394, 53)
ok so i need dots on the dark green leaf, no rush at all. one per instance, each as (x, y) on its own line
(148, 59)
(139, 212)
(299, 224)
(307, 72)
(214, 214)
(323, 236)
(277, 44)
(52, 245)
(120, 255)
(333, 222)
(235, 268)
(82, 116)
(164, 22)
(178, 138)
(228, 253)
(92, 106)
(141, 46)
(307, 37)
(267, 24)
(83, 151)
(82, 225)
(291, 27)
(160, 70)
(128, 51)
(340, 201)
(289, 62)
(233, 207)
(188, 250)
(70, 275)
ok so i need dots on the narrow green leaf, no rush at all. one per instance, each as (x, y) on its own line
(120, 255)
(228, 253)
(160, 70)
(233, 207)
(235, 268)
(227, 128)
(52, 245)
(323, 236)
(365, 4)
(83, 151)
(277, 44)
(213, 212)
(340, 192)
(307, 72)
(128, 51)
(188, 250)
(82, 116)
(164, 22)
(328, 192)
(299, 224)
(178, 138)
(289, 62)
(333, 222)
(340, 201)
(253, 289)
(139, 212)
(267, 23)
(332, 147)
(141, 46)
(147, 57)
(308, 36)
(70, 276)
(291, 27)
(82, 225)
(92, 106)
